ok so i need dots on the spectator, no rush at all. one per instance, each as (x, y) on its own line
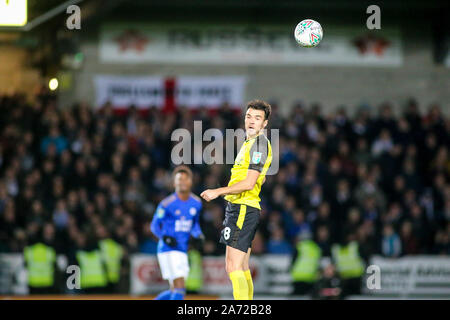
(324, 219)
(383, 144)
(277, 244)
(329, 286)
(342, 202)
(442, 243)
(56, 139)
(323, 240)
(391, 245)
(299, 225)
(410, 243)
(352, 223)
(362, 154)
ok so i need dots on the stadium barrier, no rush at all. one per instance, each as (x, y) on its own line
(406, 277)
(411, 277)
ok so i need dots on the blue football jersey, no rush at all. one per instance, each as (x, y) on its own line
(179, 219)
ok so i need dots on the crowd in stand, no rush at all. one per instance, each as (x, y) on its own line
(380, 176)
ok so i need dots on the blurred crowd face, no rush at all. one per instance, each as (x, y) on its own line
(406, 229)
(299, 216)
(101, 232)
(388, 230)
(277, 234)
(322, 234)
(399, 183)
(329, 271)
(324, 210)
(354, 216)
(254, 122)
(343, 187)
(49, 232)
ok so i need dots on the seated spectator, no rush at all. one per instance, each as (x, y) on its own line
(56, 139)
(258, 244)
(410, 243)
(394, 215)
(382, 144)
(323, 240)
(442, 243)
(362, 154)
(352, 222)
(277, 244)
(391, 245)
(342, 201)
(299, 225)
(61, 215)
(323, 218)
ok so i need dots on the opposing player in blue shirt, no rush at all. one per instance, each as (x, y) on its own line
(176, 219)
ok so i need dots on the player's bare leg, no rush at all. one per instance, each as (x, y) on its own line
(234, 261)
(245, 265)
(247, 273)
(178, 283)
(178, 289)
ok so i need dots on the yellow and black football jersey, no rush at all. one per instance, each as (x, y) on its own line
(255, 154)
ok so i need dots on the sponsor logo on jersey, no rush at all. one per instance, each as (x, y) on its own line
(183, 225)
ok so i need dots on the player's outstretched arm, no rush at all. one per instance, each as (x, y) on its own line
(244, 185)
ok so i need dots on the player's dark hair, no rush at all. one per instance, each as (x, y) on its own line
(260, 105)
(183, 169)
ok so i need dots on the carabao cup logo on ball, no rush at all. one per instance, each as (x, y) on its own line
(308, 33)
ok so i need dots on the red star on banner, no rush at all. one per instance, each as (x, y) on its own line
(132, 39)
(371, 44)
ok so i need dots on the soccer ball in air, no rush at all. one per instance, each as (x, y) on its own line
(308, 33)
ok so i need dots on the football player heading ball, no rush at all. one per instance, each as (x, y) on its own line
(242, 212)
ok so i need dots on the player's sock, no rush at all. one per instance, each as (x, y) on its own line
(240, 287)
(165, 295)
(248, 277)
(178, 294)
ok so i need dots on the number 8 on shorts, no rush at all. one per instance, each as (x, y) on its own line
(226, 233)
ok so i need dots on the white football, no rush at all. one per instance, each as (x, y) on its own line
(308, 33)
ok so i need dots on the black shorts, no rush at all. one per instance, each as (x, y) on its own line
(241, 222)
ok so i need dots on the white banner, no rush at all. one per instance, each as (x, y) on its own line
(413, 276)
(188, 91)
(209, 91)
(143, 92)
(13, 275)
(242, 45)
